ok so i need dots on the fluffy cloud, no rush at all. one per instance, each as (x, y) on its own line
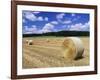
(54, 22)
(76, 18)
(40, 18)
(72, 14)
(86, 26)
(76, 27)
(46, 19)
(80, 27)
(60, 18)
(47, 28)
(24, 21)
(32, 16)
(32, 29)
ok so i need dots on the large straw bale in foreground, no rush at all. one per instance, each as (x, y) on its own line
(72, 48)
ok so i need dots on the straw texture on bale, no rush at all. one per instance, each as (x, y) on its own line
(72, 48)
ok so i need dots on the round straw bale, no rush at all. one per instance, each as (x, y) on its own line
(30, 42)
(72, 48)
(47, 40)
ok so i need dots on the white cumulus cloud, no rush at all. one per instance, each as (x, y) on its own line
(23, 20)
(72, 14)
(32, 16)
(47, 28)
(60, 18)
(40, 18)
(54, 22)
(80, 27)
(32, 29)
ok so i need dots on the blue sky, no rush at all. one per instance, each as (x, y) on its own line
(41, 22)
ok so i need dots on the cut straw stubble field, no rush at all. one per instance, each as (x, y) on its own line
(49, 53)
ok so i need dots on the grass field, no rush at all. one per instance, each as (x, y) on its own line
(47, 52)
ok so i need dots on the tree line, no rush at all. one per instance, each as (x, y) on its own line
(60, 33)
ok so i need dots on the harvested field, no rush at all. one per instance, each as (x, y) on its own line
(47, 52)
